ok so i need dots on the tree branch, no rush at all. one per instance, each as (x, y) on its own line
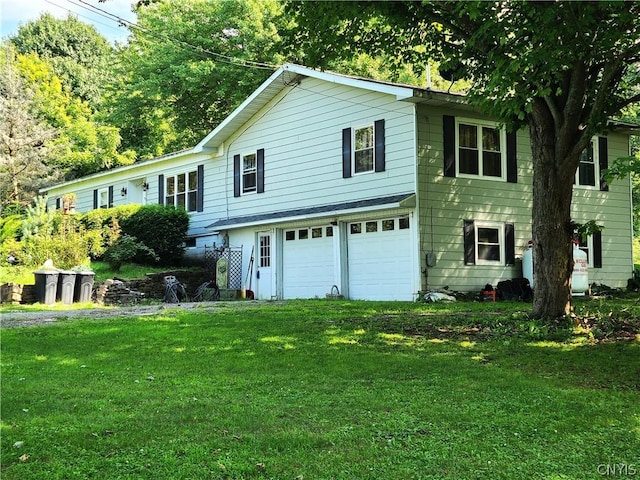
(553, 109)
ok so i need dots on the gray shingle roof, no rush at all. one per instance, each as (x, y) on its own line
(391, 201)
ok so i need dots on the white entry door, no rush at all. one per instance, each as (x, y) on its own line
(263, 267)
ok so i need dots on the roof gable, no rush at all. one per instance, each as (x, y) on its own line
(286, 76)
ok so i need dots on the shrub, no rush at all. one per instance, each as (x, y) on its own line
(161, 228)
(10, 231)
(68, 245)
(103, 217)
(125, 249)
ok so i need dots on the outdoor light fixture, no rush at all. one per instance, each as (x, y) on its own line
(145, 186)
(123, 192)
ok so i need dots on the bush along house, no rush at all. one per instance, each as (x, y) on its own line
(375, 190)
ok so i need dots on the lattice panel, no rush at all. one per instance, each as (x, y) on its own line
(233, 256)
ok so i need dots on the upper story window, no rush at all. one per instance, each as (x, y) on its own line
(481, 150)
(363, 148)
(249, 173)
(181, 190)
(588, 173)
(475, 148)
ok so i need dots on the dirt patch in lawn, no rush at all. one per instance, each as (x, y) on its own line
(31, 319)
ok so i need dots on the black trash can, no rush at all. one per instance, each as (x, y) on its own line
(46, 286)
(84, 287)
(66, 286)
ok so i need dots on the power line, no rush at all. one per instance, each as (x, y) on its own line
(132, 25)
(80, 15)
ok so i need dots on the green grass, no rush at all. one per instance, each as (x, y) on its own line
(318, 390)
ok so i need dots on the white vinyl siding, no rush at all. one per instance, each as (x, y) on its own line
(305, 151)
(445, 202)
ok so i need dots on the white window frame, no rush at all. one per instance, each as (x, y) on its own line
(596, 168)
(588, 249)
(103, 198)
(186, 192)
(503, 149)
(500, 227)
(264, 253)
(354, 150)
(246, 172)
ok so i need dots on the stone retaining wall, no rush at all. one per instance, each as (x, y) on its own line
(122, 292)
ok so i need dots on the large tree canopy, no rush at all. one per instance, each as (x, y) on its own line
(83, 145)
(24, 139)
(561, 69)
(187, 65)
(79, 55)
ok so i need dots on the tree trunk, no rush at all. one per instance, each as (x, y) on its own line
(552, 227)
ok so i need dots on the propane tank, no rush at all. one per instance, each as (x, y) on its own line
(527, 263)
(580, 275)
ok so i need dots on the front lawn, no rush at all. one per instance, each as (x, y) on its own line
(319, 390)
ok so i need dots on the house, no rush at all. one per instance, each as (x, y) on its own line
(378, 190)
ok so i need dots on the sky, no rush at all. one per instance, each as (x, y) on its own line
(14, 13)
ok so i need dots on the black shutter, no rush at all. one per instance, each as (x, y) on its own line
(449, 139)
(236, 175)
(200, 192)
(469, 243)
(111, 196)
(260, 170)
(509, 244)
(58, 203)
(512, 159)
(379, 145)
(346, 153)
(161, 189)
(603, 159)
(95, 199)
(597, 250)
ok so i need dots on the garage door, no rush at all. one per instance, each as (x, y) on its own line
(380, 260)
(307, 262)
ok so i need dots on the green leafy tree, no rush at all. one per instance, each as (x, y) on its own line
(560, 69)
(83, 145)
(188, 66)
(25, 140)
(79, 55)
